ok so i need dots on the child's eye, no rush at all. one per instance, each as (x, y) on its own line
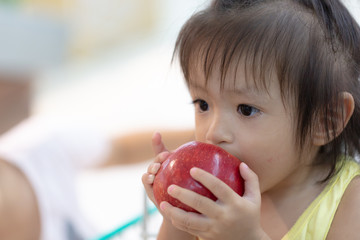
(247, 110)
(203, 106)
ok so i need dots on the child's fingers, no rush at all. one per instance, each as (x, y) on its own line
(185, 221)
(157, 144)
(220, 189)
(147, 180)
(148, 177)
(160, 158)
(252, 189)
(154, 168)
(192, 199)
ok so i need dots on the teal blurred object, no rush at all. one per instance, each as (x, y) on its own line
(125, 226)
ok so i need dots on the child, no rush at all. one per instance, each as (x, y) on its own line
(275, 83)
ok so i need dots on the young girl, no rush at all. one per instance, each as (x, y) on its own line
(275, 83)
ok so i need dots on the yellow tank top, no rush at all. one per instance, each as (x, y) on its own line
(314, 223)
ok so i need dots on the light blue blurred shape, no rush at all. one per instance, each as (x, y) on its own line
(30, 42)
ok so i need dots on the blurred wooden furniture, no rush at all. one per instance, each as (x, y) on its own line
(15, 100)
(137, 147)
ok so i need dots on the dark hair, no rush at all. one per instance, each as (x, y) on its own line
(313, 47)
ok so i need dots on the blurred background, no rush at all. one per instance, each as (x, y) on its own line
(107, 60)
(104, 64)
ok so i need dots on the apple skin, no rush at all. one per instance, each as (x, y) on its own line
(176, 170)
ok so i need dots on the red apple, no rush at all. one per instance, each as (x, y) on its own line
(211, 158)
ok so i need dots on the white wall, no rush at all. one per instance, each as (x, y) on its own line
(354, 8)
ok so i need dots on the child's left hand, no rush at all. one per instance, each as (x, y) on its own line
(230, 217)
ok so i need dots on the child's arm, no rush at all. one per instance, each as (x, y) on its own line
(346, 223)
(167, 230)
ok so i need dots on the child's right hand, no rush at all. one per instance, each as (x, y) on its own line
(167, 230)
(161, 155)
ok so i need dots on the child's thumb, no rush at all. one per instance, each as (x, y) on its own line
(251, 182)
(157, 143)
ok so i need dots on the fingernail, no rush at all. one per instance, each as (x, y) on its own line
(171, 189)
(151, 178)
(155, 167)
(193, 170)
(162, 206)
(245, 165)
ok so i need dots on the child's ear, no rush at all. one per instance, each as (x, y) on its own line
(338, 117)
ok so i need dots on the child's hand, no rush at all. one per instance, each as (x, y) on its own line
(167, 230)
(230, 217)
(148, 177)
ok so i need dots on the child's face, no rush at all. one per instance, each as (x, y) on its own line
(252, 124)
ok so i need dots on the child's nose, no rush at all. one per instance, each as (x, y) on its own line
(220, 130)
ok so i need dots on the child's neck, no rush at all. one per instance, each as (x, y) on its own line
(284, 204)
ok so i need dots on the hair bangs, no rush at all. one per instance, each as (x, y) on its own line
(262, 41)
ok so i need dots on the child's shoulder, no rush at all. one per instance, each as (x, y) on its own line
(18, 205)
(346, 224)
